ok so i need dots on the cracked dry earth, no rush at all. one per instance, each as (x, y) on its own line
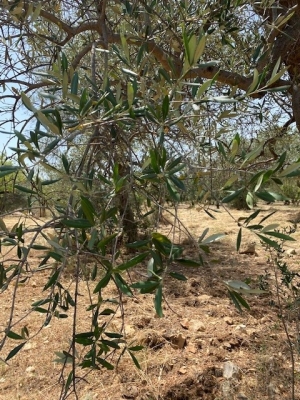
(203, 348)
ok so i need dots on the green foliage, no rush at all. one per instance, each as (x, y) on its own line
(129, 109)
(10, 200)
(291, 190)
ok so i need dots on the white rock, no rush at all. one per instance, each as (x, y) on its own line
(228, 320)
(204, 298)
(231, 370)
(183, 370)
(241, 327)
(291, 252)
(29, 346)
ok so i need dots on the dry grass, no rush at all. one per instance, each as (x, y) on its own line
(254, 341)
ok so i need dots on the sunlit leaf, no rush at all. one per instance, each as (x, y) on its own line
(230, 182)
(213, 238)
(255, 82)
(291, 168)
(27, 103)
(130, 94)
(270, 227)
(280, 235)
(266, 196)
(129, 72)
(199, 49)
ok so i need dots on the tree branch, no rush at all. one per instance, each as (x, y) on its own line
(230, 78)
(168, 61)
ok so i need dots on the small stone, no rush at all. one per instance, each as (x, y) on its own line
(131, 392)
(228, 320)
(251, 332)
(271, 391)
(241, 327)
(273, 336)
(204, 298)
(234, 342)
(30, 369)
(200, 343)
(185, 323)
(33, 284)
(29, 346)
(291, 252)
(183, 370)
(130, 331)
(178, 341)
(249, 249)
(231, 370)
(191, 348)
(265, 319)
(218, 372)
(226, 388)
(198, 326)
(241, 396)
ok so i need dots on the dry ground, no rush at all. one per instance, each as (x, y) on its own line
(199, 311)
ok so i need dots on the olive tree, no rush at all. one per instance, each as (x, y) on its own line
(109, 103)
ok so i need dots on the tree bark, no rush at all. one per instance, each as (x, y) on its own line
(125, 208)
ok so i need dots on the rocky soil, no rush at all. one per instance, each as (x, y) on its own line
(202, 348)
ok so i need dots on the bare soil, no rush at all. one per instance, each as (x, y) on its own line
(185, 352)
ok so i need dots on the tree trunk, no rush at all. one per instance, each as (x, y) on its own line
(125, 208)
